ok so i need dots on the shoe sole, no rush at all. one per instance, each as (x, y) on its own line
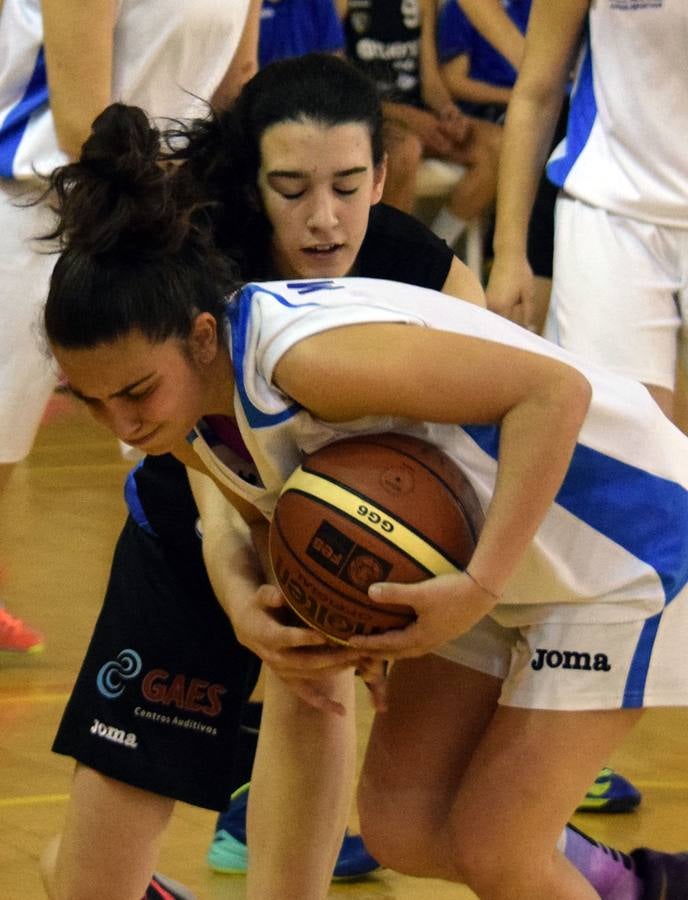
(610, 806)
(222, 870)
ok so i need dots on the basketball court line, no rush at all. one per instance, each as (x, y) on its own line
(33, 801)
(42, 697)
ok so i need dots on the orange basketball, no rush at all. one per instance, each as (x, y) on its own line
(383, 507)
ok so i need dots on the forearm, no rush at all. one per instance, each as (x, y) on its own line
(552, 41)
(434, 91)
(526, 142)
(404, 113)
(462, 283)
(474, 91)
(245, 62)
(418, 121)
(532, 467)
(301, 793)
(233, 566)
(494, 24)
(78, 42)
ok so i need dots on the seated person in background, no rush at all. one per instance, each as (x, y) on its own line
(479, 78)
(394, 43)
(293, 27)
(496, 27)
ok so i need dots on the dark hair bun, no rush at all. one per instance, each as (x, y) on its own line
(119, 197)
(122, 148)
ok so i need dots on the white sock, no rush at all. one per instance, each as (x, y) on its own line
(448, 226)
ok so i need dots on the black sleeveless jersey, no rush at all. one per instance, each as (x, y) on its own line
(383, 40)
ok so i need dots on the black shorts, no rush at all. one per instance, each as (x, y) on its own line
(158, 701)
(541, 228)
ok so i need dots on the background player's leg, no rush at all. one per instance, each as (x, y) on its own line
(110, 842)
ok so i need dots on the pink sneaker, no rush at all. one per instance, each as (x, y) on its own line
(16, 636)
(163, 888)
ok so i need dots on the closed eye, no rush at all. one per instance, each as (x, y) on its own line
(141, 395)
(87, 401)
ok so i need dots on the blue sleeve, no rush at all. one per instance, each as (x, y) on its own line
(330, 29)
(454, 32)
(133, 500)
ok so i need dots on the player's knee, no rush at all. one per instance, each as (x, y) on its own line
(394, 846)
(491, 868)
(403, 158)
(379, 823)
(411, 153)
(398, 836)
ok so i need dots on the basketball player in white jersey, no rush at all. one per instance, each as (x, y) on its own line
(570, 618)
(60, 65)
(620, 282)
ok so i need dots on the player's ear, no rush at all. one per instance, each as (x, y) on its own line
(203, 338)
(379, 175)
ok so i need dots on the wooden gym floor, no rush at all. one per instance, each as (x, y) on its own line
(58, 525)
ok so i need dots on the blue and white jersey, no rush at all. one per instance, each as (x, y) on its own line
(624, 150)
(165, 55)
(614, 545)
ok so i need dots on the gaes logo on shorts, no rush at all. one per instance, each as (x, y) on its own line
(113, 674)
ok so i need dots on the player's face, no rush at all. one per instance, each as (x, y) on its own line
(148, 394)
(317, 183)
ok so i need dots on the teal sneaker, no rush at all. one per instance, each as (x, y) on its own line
(228, 853)
(611, 793)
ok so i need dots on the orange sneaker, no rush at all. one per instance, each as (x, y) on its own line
(16, 636)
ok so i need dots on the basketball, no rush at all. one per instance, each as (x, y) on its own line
(383, 507)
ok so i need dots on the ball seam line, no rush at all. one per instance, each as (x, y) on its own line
(346, 501)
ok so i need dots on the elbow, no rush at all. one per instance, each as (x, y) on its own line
(544, 98)
(574, 395)
(583, 389)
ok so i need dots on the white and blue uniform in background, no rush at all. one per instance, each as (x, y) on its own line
(621, 253)
(606, 573)
(165, 56)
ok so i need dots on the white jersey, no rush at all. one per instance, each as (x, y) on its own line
(616, 538)
(624, 149)
(165, 55)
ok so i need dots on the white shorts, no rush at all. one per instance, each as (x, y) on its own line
(574, 666)
(620, 292)
(27, 374)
